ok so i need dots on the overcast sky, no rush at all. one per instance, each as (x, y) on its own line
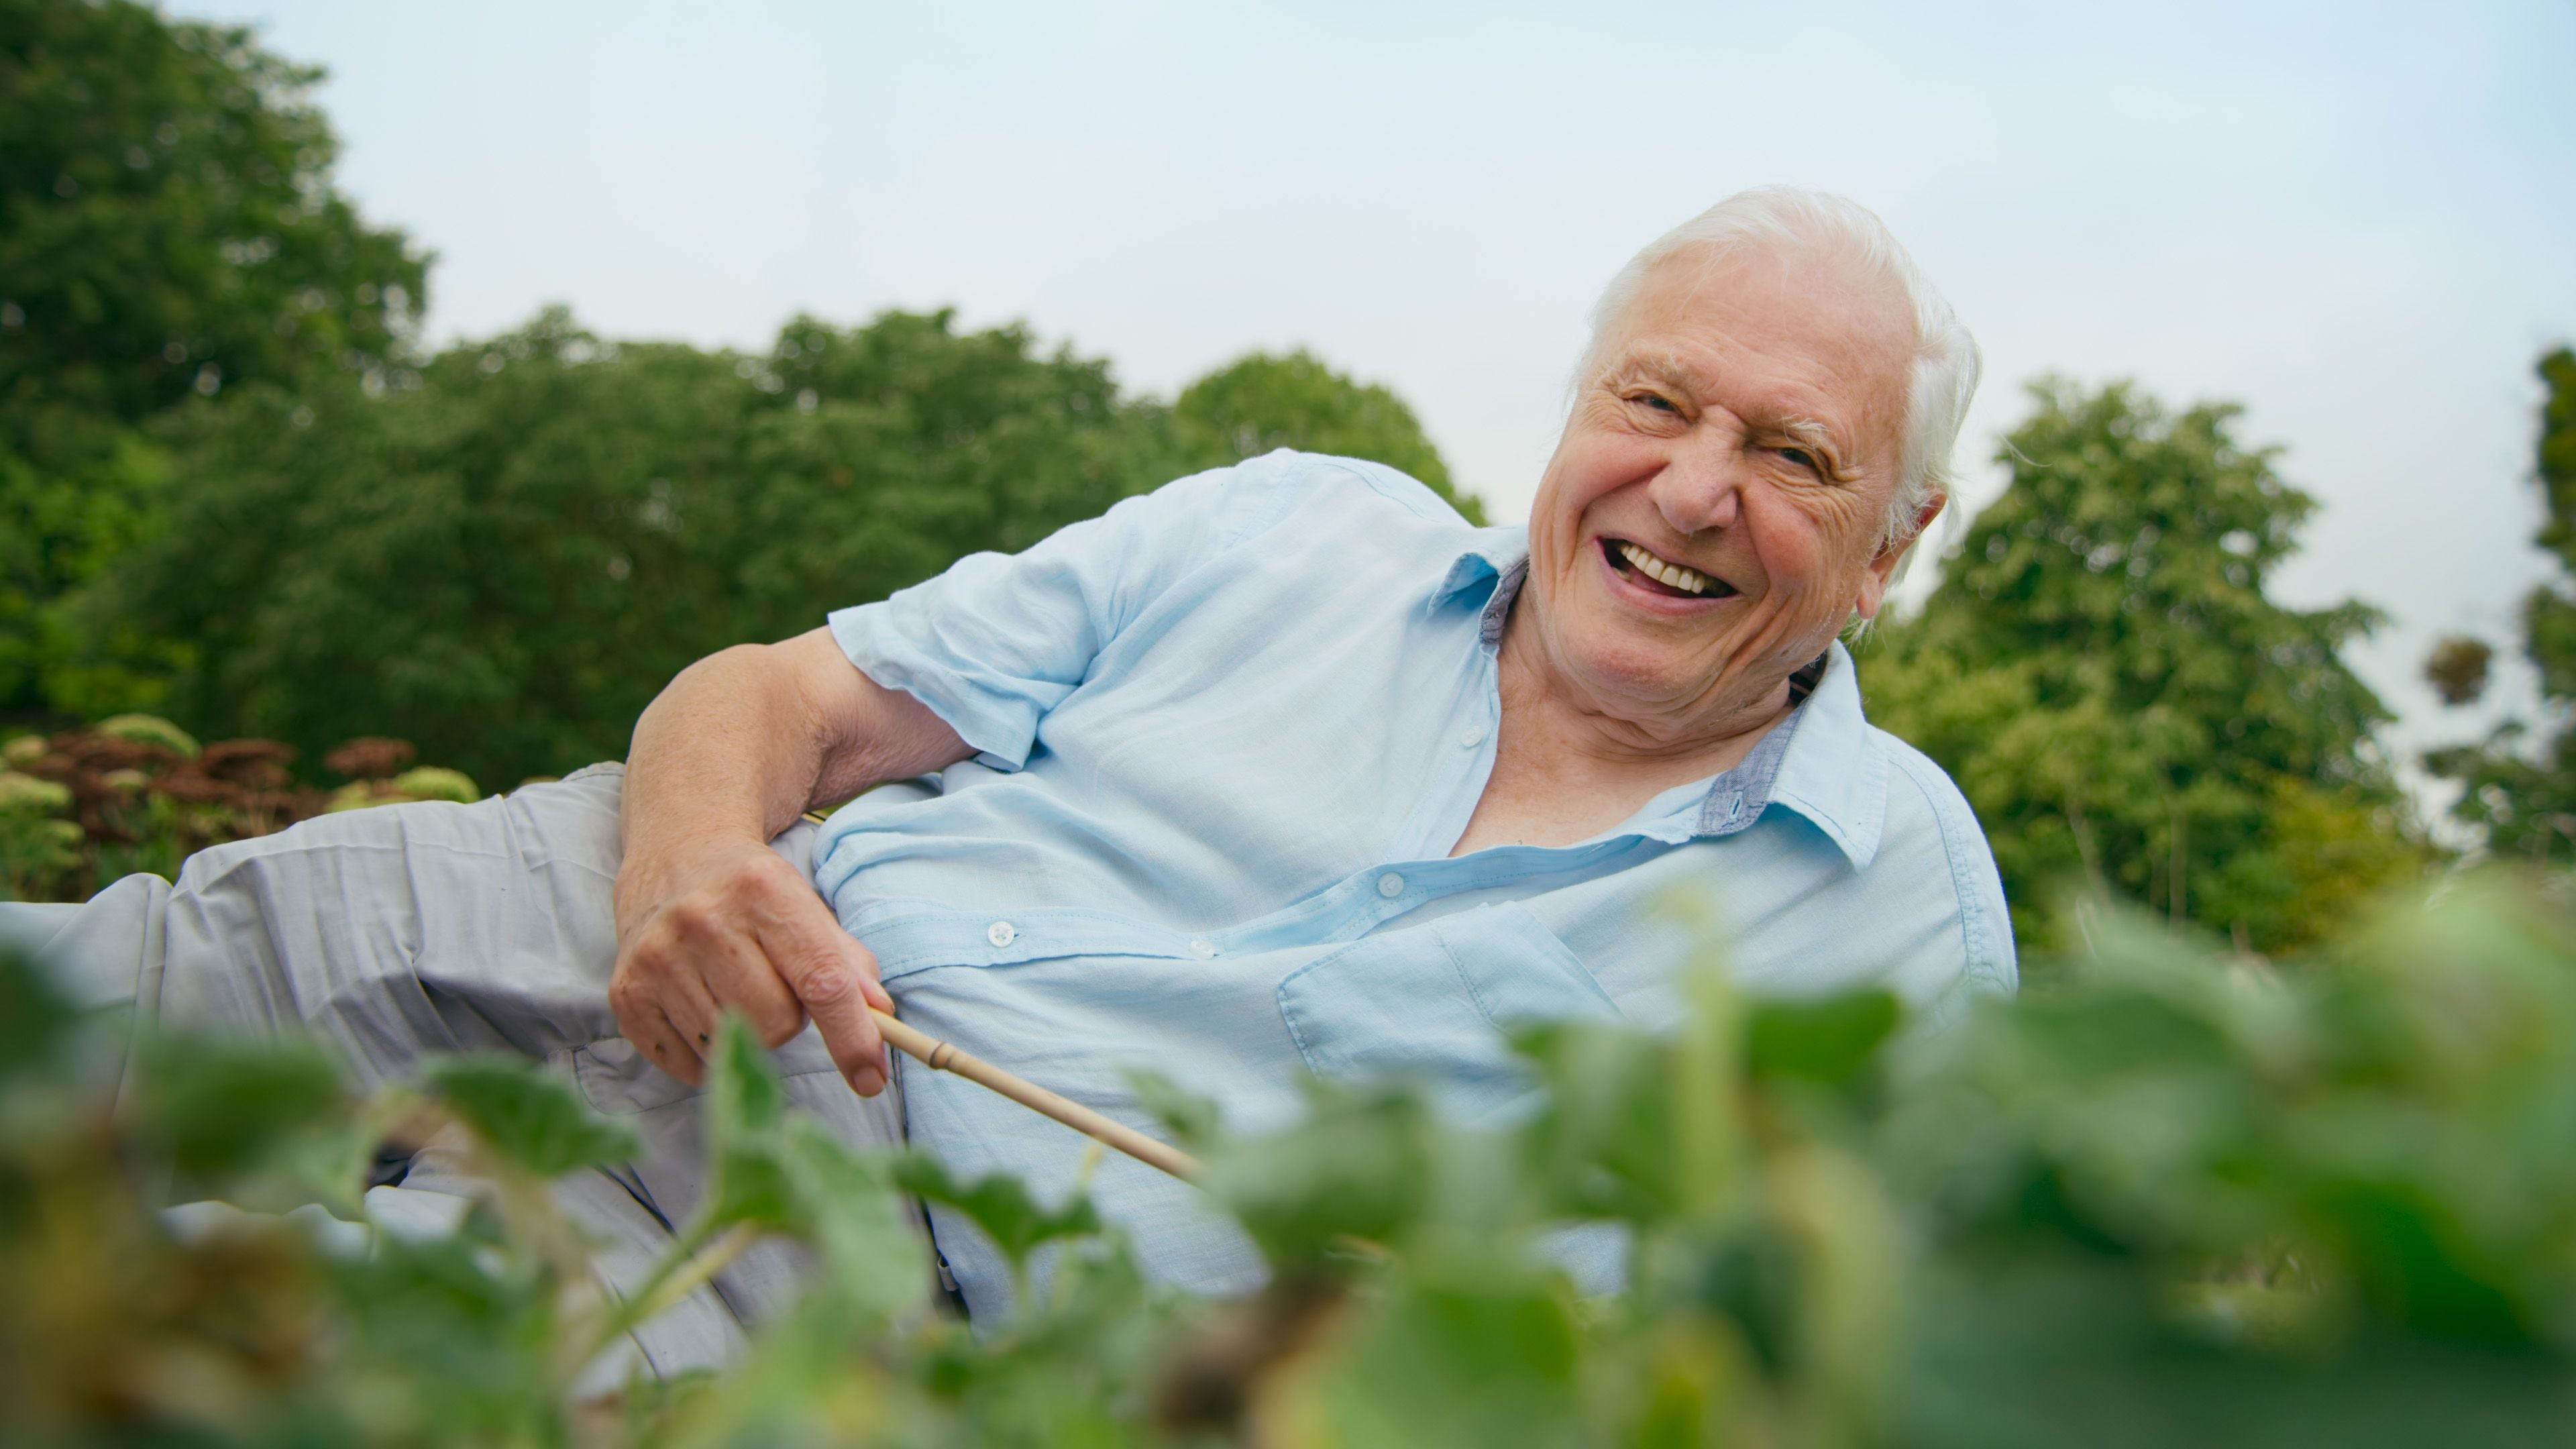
(2359, 220)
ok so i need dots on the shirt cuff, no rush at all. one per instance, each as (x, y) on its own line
(999, 728)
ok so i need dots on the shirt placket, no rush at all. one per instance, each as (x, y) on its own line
(1366, 899)
(1464, 755)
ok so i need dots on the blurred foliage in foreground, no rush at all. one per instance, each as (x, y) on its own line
(2104, 675)
(138, 793)
(2160, 1200)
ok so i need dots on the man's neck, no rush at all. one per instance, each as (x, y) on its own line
(1704, 737)
(1566, 769)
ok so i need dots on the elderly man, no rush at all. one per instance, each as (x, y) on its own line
(1282, 768)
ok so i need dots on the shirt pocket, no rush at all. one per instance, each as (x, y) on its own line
(1434, 1004)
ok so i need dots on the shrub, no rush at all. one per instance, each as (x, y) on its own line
(2166, 1199)
(137, 793)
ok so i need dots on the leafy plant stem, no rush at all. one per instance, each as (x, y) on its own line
(683, 1270)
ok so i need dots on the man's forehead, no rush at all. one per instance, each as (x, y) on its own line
(1791, 304)
(1821, 401)
(1820, 338)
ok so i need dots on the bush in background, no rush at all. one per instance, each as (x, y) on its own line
(2107, 677)
(137, 793)
(508, 551)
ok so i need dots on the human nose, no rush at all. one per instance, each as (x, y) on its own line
(1700, 488)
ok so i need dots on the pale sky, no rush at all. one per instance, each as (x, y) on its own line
(2359, 220)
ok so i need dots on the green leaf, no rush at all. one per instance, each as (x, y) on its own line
(223, 1108)
(1826, 1041)
(1483, 1360)
(849, 1207)
(1193, 1122)
(446, 1333)
(1631, 1126)
(1358, 1167)
(1001, 1206)
(35, 1019)
(745, 1098)
(527, 1118)
(745, 1105)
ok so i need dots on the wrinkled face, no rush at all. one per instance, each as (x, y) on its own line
(1713, 512)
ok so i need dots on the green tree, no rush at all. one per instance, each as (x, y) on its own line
(1261, 402)
(168, 221)
(505, 561)
(2102, 673)
(168, 228)
(2518, 789)
(506, 555)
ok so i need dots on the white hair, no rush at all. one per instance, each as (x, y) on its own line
(1788, 219)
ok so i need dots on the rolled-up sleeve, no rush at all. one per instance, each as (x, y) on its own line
(997, 640)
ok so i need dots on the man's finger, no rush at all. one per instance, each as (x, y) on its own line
(835, 978)
(667, 1046)
(693, 1009)
(742, 976)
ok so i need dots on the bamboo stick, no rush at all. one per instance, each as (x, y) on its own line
(941, 1056)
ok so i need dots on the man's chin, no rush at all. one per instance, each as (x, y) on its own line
(1651, 681)
(1634, 678)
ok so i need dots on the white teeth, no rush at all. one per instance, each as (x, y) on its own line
(1687, 580)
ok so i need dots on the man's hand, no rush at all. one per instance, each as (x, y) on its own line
(708, 916)
(736, 926)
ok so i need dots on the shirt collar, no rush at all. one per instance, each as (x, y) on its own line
(1832, 766)
(1823, 761)
(1497, 561)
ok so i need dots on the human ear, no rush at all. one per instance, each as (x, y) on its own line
(1882, 567)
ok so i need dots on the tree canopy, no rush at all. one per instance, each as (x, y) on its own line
(2103, 674)
(168, 219)
(168, 228)
(1263, 402)
(503, 559)
(210, 389)
(2519, 787)
(235, 488)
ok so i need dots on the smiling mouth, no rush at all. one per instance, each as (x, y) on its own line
(1661, 575)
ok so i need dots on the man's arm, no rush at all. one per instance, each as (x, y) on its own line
(728, 755)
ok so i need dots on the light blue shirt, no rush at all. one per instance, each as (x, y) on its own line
(1226, 736)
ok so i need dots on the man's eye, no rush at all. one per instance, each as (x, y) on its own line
(1657, 401)
(1804, 459)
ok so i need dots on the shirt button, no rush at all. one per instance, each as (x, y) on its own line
(1203, 949)
(1001, 933)
(1474, 736)
(1390, 884)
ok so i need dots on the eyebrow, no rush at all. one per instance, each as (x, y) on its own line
(1658, 365)
(1817, 437)
(1662, 366)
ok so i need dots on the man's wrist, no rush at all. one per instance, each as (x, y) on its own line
(653, 870)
